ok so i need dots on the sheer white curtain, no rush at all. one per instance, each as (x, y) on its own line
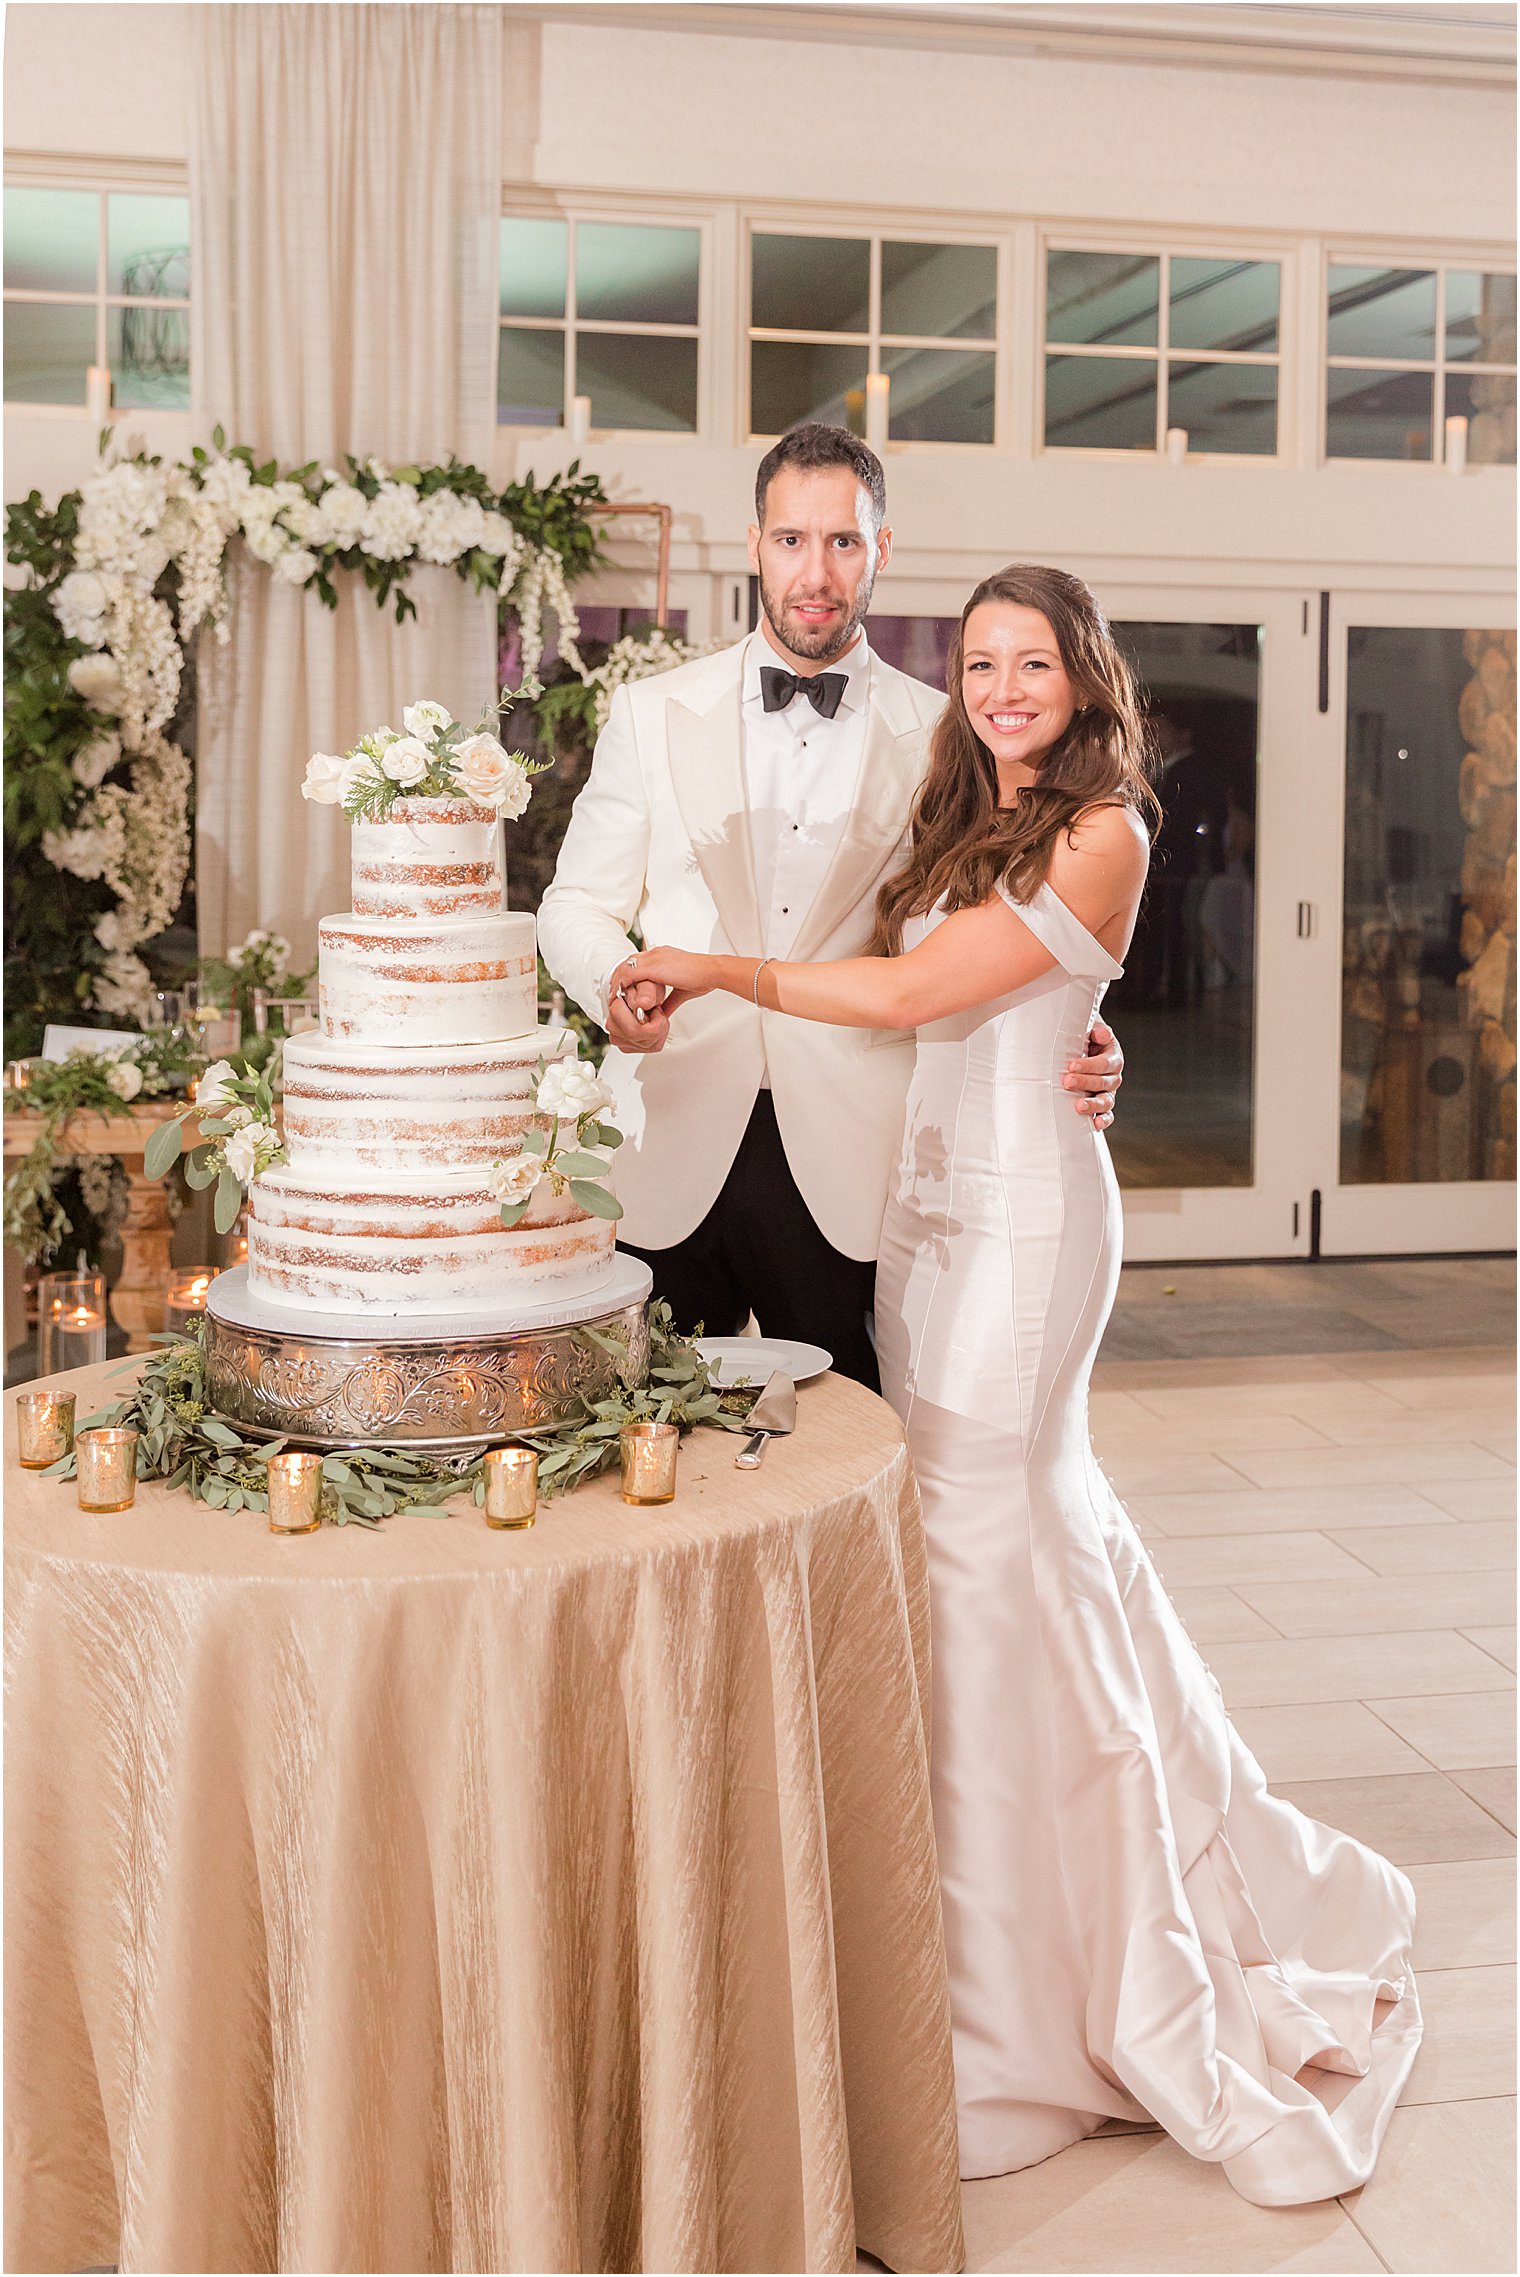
(345, 174)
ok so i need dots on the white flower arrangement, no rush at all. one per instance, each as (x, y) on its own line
(638, 656)
(240, 1141)
(571, 1097)
(436, 758)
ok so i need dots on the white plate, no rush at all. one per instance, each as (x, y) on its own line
(755, 1359)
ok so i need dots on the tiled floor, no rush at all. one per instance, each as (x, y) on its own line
(1336, 1521)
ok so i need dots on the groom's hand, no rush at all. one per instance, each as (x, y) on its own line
(1096, 1079)
(628, 1032)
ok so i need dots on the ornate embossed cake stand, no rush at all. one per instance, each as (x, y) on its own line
(344, 1380)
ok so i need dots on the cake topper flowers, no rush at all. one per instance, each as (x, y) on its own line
(235, 1108)
(571, 1096)
(435, 757)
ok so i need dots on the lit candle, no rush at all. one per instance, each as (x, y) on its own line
(295, 1494)
(878, 400)
(18, 1075)
(511, 1486)
(44, 1428)
(71, 1314)
(186, 1298)
(1456, 444)
(106, 1467)
(648, 1453)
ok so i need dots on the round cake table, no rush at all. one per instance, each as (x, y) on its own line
(436, 1898)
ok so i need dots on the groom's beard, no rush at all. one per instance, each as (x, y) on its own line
(816, 644)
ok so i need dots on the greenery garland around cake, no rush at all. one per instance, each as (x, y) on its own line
(182, 1441)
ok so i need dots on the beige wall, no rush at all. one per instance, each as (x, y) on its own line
(1285, 162)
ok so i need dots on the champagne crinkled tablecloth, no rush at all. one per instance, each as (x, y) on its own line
(438, 1898)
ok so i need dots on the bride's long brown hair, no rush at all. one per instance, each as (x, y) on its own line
(962, 842)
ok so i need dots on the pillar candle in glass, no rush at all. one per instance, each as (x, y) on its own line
(44, 1428)
(106, 1468)
(71, 1321)
(511, 1486)
(648, 1451)
(186, 1297)
(295, 1494)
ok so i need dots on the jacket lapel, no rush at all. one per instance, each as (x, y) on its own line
(707, 770)
(892, 763)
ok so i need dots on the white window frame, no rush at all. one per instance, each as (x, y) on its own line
(757, 222)
(1164, 247)
(101, 186)
(573, 212)
(1440, 265)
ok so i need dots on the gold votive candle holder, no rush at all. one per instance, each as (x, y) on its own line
(511, 1486)
(106, 1468)
(295, 1494)
(44, 1428)
(648, 1451)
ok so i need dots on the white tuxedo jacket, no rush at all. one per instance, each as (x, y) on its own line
(660, 834)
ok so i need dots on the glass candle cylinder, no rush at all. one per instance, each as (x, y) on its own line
(18, 1075)
(511, 1486)
(185, 1300)
(106, 1468)
(71, 1321)
(649, 1461)
(44, 1428)
(295, 1494)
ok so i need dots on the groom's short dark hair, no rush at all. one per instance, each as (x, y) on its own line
(814, 445)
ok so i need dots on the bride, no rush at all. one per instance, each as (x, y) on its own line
(1135, 1927)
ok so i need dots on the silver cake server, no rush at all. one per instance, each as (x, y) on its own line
(772, 1416)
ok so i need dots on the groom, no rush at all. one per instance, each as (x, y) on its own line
(753, 802)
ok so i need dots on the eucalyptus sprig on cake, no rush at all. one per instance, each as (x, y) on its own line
(236, 1111)
(572, 1096)
(437, 757)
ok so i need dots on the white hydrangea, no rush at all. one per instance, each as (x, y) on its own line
(82, 853)
(343, 509)
(304, 519)
(125, 987)
(393, 522)
(497, 536)
(80, 605)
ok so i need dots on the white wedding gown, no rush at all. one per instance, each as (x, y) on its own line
(1135, 1927)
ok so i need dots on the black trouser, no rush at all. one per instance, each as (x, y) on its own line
(759, 1250)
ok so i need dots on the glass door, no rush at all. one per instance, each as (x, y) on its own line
(1417, 1148)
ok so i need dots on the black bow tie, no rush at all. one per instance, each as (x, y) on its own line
(822, 691)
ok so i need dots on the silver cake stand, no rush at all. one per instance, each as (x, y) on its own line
(349, 1379)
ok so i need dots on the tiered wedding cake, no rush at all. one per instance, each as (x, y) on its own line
(401, 1113)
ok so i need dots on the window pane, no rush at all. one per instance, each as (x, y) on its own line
(148, 350)
(1486, 400)
(637, 379)
(1224, 304)
(1188, 995)
(1480, 318)
(789, 382)
(940, 292)
(532, 267)
(530, 379)
(939, 395)
(1225, 407)
(1378, 415)
(52, 242)
(1100, 403)
(1107, 298)
(49, 346)
(1383, 312)
(148, 247)
(1428, 950)
(810, 284)
(636, 275)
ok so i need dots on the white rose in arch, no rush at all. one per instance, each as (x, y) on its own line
(215, 1086)
(343, 508)
(241, 1150)
(406, 760)
(514, 1181)
(426, 719)
(568, 1089)
(324, 779)
(98, 679)
(295, 567)
(125, 1079)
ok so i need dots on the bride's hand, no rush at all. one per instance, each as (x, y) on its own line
(682, 973)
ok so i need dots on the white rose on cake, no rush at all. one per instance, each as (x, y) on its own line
(406, 760)
(514, 1181)
(324, 778)
(568, 1089)
(425, 720)
(214, 1088)
(491, 776)
(243, 1148)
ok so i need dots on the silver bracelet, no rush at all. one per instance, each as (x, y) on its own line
(755, 983)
